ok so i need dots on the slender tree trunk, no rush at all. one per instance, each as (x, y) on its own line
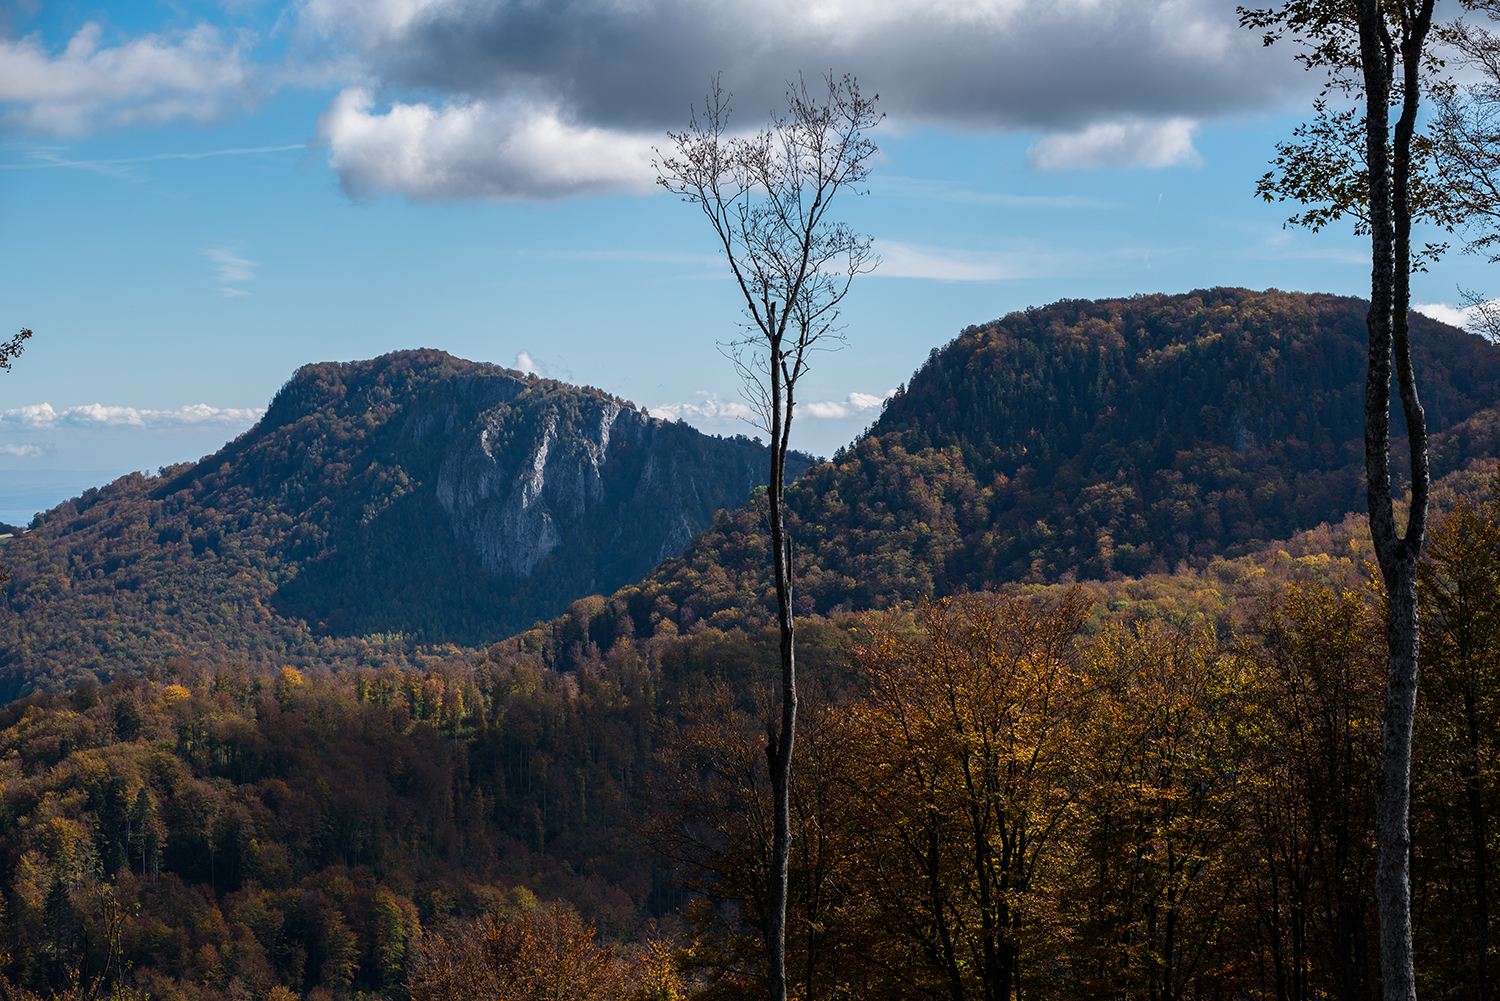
(780, 733)
(1477, 841)
(1393, 792)
(1390, 235)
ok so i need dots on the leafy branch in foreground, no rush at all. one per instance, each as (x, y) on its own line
(12, 348)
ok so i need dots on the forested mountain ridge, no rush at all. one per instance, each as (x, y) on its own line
(1078, 440)
(1092, 439)
(415, 495)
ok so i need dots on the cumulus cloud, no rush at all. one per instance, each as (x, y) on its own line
(712, 410)
(555, 98)
(1129, 143)
(192, 74)
(499, 100)
(1044, 64)
(40, 416)
(529, 365)
(1456, 316)
(495, 150)
(27, 451)
(709, 410)
(856, 404)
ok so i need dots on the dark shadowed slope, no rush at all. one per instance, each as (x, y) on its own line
(417, 495)
(1090, 440)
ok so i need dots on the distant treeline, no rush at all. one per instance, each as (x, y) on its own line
(1157, 786)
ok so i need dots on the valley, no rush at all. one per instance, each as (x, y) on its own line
(437, 640)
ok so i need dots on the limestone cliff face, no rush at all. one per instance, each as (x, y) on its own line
(421, 494)
(547, 473)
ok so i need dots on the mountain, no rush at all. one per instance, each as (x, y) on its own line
(1091, 439)
(261, 832)
(420, 499)
(417, 494)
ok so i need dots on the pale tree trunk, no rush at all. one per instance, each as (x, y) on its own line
(1390, 345)
(780, 735)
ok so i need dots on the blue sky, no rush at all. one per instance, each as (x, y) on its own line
(197, 198)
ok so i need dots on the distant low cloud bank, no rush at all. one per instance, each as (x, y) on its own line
(42, 416)
(27, 451)
(714, 411)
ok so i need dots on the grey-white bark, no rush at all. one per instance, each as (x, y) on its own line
(1390, 215)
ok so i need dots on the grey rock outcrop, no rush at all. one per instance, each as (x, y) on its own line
(588, 479)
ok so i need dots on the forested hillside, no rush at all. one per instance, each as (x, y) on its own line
(1184, 760)
(1092, 440)
(415, 498)
(255, 777)
(386, 505)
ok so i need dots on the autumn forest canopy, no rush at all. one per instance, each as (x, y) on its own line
(1092, 684)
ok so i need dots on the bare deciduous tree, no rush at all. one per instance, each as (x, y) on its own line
(767, 197)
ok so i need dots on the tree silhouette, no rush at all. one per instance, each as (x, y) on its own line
(767, 198)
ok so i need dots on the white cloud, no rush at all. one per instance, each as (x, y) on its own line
(229, 267)
(493, 150)
(39, 416)
(710, 409)
(558, 98)
(1128, 142)
(190, 74)
(1049, 64)
(529, 365)
(26, 451)
(854, 405)
(947, 191)
(499, 100)
(950, 264)
(1453, 315)
(909, 260)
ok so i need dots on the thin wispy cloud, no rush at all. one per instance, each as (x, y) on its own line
(230, 268)
(43, 416)
(641, 256)
(43, 158)
(943, 191)
(948, 264)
